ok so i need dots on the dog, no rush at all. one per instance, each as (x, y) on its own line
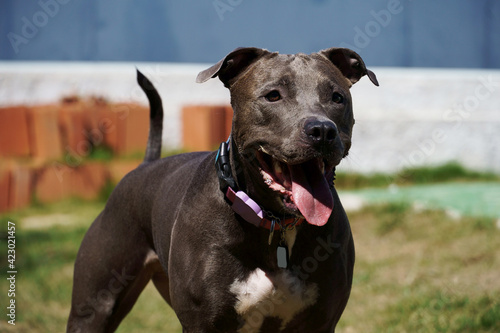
(249, 238)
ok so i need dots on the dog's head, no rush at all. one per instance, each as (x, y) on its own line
(292, 123)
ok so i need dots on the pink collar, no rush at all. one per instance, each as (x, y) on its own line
(241, 203)
(251, 212)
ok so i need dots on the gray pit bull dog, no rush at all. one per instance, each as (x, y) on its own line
(272, 251)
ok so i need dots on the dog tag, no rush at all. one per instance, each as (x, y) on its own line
(282, 255)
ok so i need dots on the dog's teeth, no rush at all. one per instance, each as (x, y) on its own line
(277, 167)
(262, 149)
(268, 181)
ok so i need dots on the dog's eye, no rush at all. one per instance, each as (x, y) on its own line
(273, 96)
(337, 98)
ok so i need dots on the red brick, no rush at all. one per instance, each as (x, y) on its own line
(228, 120)
(14, 134)
(45, 138)
(21, 186)
(93, 107)
(123, 127)
(15, 185)
(114, 118)
(195, 128)
(72, 125)
(203, 127)
(136, 128)
(54, 182)
(4, 187)
(217, 126)
(58, 181)
(118, 169)
(101, 124)
(88, 180)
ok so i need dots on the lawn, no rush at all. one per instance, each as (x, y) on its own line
(417, 270)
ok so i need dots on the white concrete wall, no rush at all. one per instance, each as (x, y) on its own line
(427, 116)
(415, 117)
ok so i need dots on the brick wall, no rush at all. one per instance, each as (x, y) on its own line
(204, 127)
(46, 150)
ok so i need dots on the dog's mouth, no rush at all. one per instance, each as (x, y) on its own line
(304, 187)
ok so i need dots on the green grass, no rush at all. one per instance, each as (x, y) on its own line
(444, 312)
(416, 271)
(101, 153)
(448, 172)
(47, 241)
(422, 271)
(104, 153)
(443, 173)
(391, 216)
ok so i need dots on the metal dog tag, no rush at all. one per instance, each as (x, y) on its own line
(282, 255)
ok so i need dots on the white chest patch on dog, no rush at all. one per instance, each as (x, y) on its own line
(282, 295)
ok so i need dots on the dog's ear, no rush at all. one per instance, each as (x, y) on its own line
(232, 65)
(349, 63)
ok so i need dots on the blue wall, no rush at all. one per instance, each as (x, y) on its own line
(424, 33)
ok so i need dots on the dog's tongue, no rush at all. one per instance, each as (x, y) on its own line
(311, 192)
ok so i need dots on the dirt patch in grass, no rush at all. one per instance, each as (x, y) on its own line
(38, 222)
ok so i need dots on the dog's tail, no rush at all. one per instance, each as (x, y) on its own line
(153, 150)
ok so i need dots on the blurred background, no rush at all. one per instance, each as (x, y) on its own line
(406, 33)
(425, 149)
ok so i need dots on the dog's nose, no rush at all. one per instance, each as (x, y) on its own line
(320, 133)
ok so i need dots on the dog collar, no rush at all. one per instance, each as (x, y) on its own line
(251, 212)
(241, 203)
